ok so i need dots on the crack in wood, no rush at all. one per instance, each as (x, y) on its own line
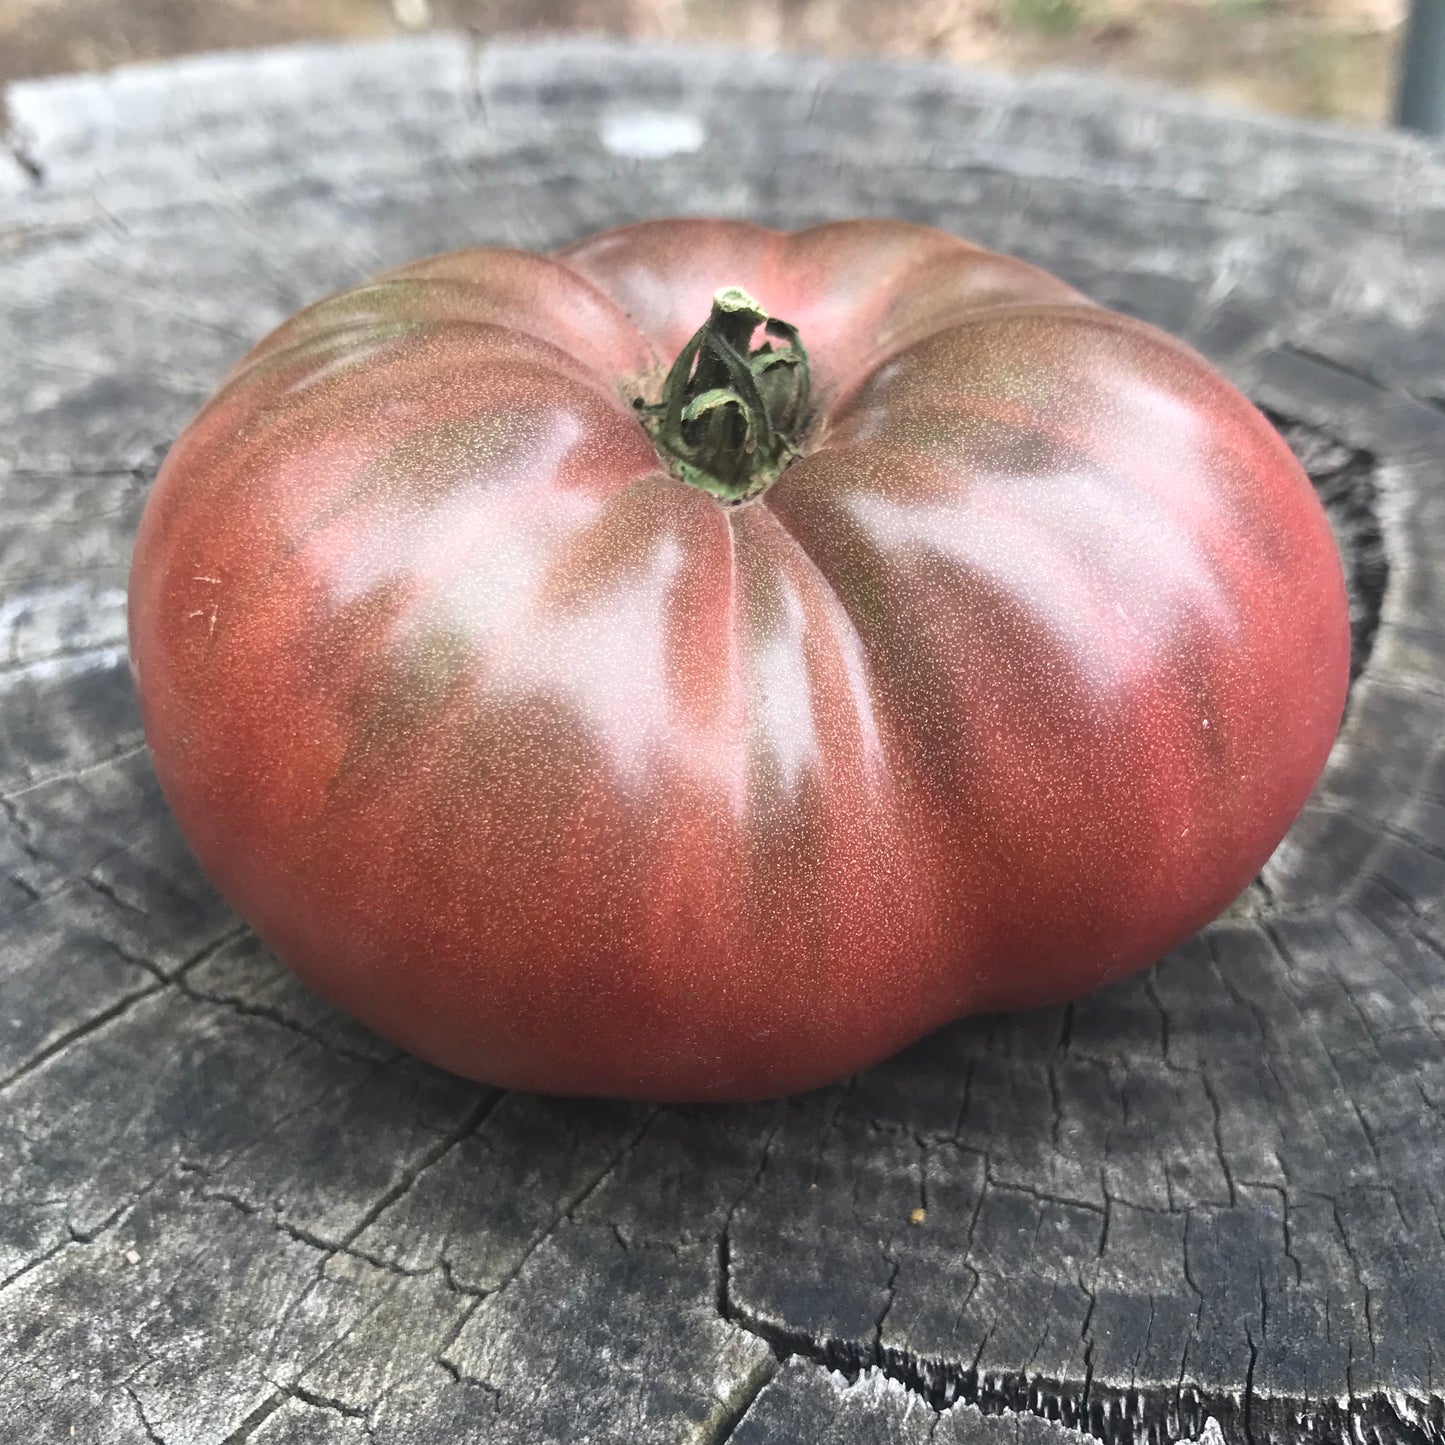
(1113, 1416)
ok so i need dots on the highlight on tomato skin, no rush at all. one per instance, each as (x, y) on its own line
(698, 663)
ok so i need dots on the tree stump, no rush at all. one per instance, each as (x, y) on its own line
(1209, 1201)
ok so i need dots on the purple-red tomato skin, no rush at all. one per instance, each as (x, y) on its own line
(566, 776)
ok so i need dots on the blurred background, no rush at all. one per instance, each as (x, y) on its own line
(1325, 58)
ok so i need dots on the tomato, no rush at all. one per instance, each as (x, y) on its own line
(698, 663)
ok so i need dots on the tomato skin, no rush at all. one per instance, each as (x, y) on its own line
(568, 777)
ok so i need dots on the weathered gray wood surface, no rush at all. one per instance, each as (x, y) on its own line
(1213, 1194)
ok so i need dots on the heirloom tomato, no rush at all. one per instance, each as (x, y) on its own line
(695, 664)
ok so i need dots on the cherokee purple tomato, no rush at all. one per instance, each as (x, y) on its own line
(963, 648)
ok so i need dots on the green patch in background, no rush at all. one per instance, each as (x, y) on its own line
(1044, 17)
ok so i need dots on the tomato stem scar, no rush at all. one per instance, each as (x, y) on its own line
(731, 414)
